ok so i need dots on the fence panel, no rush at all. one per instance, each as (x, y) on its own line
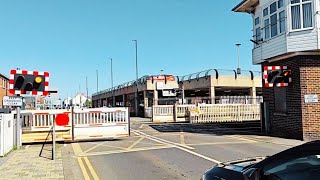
(182, 112)
(163, 113)
(6, 133)
(209, 113)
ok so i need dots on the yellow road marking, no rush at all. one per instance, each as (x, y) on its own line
(177, 146)
(217, 143)
(163, 141)
(93, 172)
(135, 143)
(240, 138)
(78, 151)
(124, 151)
(104, 144)
(83, 169)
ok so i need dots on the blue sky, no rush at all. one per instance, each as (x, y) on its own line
(73, 38)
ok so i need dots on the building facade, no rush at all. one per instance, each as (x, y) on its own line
(286, 35)
(4, 87)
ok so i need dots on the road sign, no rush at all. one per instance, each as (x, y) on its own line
(311, 98)
(12, 101)
(62, 119)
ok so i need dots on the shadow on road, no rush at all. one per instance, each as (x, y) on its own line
(244, 128)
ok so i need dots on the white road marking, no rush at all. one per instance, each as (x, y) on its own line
(178, 146)
(163, 140)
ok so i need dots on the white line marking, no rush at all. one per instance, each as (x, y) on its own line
(163, 140)
(176, 146)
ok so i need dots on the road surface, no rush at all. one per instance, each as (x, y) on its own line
(163, 151)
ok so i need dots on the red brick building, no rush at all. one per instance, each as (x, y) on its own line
(4, 87)
(286, 33)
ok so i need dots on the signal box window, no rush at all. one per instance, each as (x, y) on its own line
(280, 99)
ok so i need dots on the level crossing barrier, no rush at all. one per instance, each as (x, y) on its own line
(83, 124)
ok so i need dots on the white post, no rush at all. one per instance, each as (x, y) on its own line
(18, 128)
(54, 139)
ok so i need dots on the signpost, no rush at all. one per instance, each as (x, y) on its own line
(15, 101)
(12, 101)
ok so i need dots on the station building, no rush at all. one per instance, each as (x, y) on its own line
(210, 86)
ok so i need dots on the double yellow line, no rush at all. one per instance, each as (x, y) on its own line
(83, 162)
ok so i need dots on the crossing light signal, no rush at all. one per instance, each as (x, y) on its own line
(22, 82)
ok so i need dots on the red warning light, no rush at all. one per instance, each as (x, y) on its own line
(62, 119)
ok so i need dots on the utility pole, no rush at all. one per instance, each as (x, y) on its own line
(238, 69)
(137, 76)
(87, 90)
(113, 98)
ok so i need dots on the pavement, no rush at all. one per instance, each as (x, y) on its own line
(25, 163)
(153, 151)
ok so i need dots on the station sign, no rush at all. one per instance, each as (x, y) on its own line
(12, 101)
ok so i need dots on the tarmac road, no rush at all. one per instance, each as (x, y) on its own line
(166, 151)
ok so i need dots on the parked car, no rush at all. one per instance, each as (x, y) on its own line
(297, 163)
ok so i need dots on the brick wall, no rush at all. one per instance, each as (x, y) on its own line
(3, 88)
(301, 121)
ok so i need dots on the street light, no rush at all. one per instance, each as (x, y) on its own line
(137, 76)
(113, 98)
(238, 69)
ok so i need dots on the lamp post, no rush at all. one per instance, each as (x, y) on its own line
(137, 76)
(238, 69)
(113, 98)
(97, 81)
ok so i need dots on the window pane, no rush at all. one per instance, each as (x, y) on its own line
(295, 17)
(258, 34)
(265, 12)
(274, 29)
(295, 1)
(280, 3)
(273, 7)
(257, 21)
(266, 29)
(307, 15)
(282, 23)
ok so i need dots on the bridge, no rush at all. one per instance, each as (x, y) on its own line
(213, 86)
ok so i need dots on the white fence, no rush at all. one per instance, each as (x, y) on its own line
(6, 133)
(209, 113)
(163, 113)
(83, 124)
(182, 112)
(206, 113)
